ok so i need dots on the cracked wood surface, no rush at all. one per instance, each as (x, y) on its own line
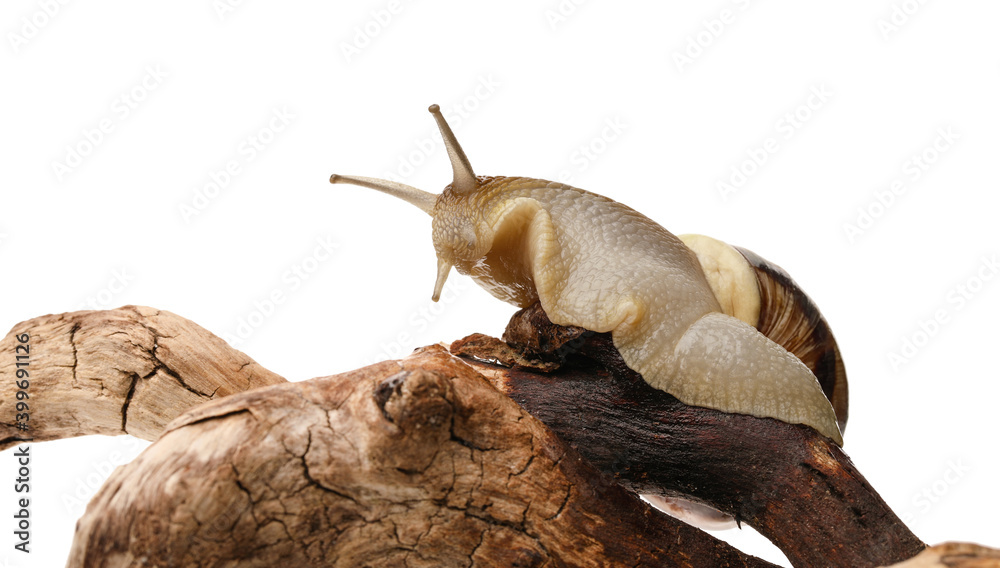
(413, 463)
(130, 370)
(417, 463)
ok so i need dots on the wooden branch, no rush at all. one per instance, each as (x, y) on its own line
(412, 463)
(793, 485)
(954, 555)
(129, 370)
(419, 462)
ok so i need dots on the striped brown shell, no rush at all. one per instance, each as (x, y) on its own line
(791, 319)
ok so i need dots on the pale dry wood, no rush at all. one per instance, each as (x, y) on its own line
(125, 371)
(417, 463)
(954, 555)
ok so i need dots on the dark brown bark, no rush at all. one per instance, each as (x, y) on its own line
(793, 485)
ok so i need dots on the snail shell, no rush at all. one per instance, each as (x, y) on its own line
(763, 295)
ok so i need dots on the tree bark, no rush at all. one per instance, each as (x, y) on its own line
(793, 485)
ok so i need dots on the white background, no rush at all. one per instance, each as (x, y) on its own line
(532, 90)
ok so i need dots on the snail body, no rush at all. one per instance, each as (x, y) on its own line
(595, 263)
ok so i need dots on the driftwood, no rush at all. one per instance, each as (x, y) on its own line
(954, 555)
(792, 484)
(125, 371)
(421, 462)
(412, 463)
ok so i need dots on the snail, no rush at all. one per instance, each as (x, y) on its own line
(710, 324)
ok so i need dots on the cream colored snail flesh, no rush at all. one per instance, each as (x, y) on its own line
(686, 313)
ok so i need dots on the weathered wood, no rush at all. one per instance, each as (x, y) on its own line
(419, 462)
(796, 487)
(125, 371)
(412, 463)
(954, 555)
